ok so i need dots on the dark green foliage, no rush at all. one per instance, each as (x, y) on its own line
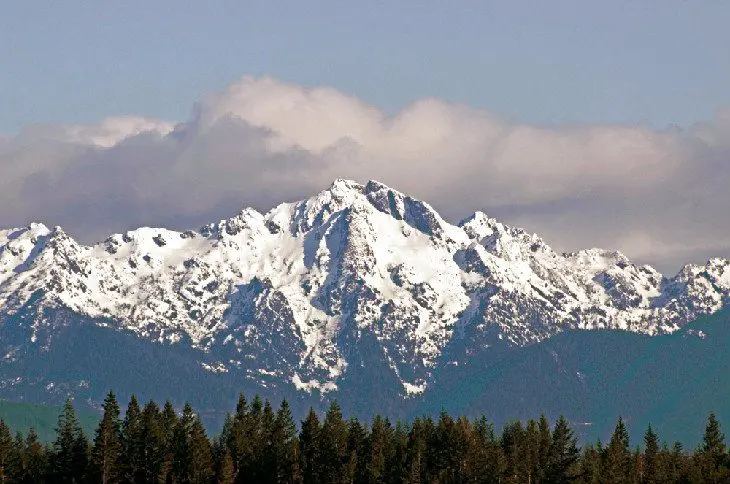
(192, 456)
(131, 437)
(333, 457)
(309, 444)
(285, 446)
(152, 445)
(22, 417)
(652, 469)
(6, 453)
(713, 459)
(70, 454)
(106, 454)
(258, 444)
(35, 459)
(617, 459)
(563, 455)
(225, 472)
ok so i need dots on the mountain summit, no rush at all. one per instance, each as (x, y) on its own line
(312, 292)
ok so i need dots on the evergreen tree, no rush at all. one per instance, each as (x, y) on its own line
(107, 450)
(531, 452)
(201, 456)
(333, 445)
(225, 473)
(545, 438)
(356, 444)
(18, 462)
(6, 452)
(236, 440)
(309, 444)
(487, 458)
(285, 445)
(462, 445)
(712, 457)
(221, 449)
(564, 454)
(248, 432)
(152, 445)
(266, 465)
(131, 437)
(36, 459)
(675, 463)
(192, 460)
(616, 461)
(512, 436)
(69, 459)
(398, 469)
(417, 450)
(652, 466)
(168, 423)
(377, 450)
(591, 464)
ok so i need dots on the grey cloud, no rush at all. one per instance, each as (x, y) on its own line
(660, 196)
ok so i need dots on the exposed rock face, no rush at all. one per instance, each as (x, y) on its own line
(310, 291)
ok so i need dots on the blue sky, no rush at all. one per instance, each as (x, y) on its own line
(594, 124)
(658, 63)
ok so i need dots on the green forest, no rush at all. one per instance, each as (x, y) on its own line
(261, 444)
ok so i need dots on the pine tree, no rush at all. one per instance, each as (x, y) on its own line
(131, 452)
(417, 442)
(377, 450)
(151, 444)
(309, 444)
(651, 469)
(712, 457)
(225, 473)
(397, 462)
(6, 451)
(333, 444)
(236, 440)
(487, 461)
(36, 459)
(201, 456)
(193, 460)
(285, 445)
(18, 461)
(70, 449)
(512, 436)
(531, 452)
(675, 465)
(564, 453)
(462, 444)
(168, 423)
(266, 465)
(545, 438)
(356, 442)
(107, 451)
(591, 464)
(617, 462)
(248, 432)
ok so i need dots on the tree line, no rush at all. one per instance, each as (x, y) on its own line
(259, 444)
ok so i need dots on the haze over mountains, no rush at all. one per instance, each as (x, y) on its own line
(359, 291)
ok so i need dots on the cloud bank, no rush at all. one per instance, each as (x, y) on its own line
(662, 197)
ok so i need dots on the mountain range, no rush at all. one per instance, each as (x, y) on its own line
(359, 293)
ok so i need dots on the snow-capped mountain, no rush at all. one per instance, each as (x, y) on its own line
(309, 292)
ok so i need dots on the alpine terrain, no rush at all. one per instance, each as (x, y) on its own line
(360, 291)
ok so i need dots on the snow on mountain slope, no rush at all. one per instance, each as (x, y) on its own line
(293, 293)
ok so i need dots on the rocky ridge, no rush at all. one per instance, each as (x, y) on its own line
(293, 294)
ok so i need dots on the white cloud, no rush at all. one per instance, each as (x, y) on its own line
(657, 195)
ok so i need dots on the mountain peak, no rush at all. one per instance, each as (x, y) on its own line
(354, 266)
